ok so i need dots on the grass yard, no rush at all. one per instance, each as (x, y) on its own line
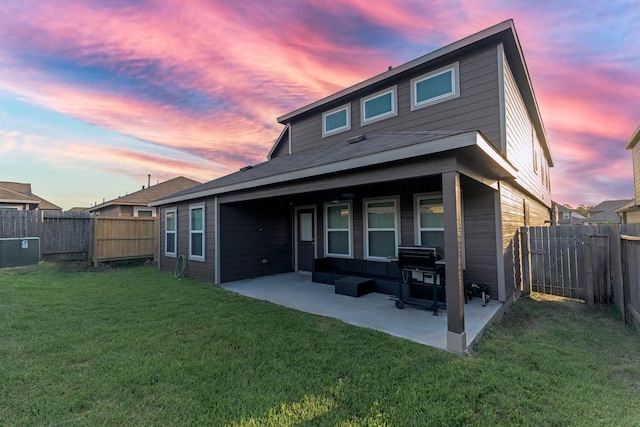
(135, 346)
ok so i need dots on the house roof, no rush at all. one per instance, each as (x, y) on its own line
(610, 216)
(634, 139)
(503, 32)
(363, 151)
(576, 218)
(18, 192)
(10, 196)
(609, 205)
(47, 205)
(577, 215)
(146, 195)
(629, 206)
(18, 187)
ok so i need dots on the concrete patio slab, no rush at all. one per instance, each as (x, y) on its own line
(374, 310)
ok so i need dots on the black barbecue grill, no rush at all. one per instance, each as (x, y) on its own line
(421, 280)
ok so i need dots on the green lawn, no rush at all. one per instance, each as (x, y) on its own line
(135, 346)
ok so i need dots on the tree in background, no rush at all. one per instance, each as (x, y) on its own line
(581, 209)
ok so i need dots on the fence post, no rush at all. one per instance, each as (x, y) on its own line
(94, 243)
(588, 260)
(626, 278)
(615, 258)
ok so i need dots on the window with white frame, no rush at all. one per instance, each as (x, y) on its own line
(430, 218)
(381, 239)
(336, 120)
(196, 233)
(436, 86)
(338, 229)
(170, 232)
(379, 106)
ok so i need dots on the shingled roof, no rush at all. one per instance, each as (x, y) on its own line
(144, 196)
(19, 192)
(360, 151)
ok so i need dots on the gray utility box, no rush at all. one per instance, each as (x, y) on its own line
(22, 251)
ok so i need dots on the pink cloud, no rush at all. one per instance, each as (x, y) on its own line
(90, 155)
(254, 61)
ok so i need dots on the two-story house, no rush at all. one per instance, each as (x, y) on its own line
(566, 216)
(446, 150)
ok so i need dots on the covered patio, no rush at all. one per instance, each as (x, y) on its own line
(375, 310)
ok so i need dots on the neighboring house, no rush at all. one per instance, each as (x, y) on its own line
(448, 149)
(605, 212)
(567, 216)
(631, 212)
(18, 196)
(136, 204)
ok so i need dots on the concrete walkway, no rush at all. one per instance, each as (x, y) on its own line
(374, 311)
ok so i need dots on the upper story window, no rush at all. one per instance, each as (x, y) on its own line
(379, 106)
(336, 120)
(436, 86)
(196, 233)
(170, 230)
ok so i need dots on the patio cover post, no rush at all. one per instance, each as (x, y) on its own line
(452, 200)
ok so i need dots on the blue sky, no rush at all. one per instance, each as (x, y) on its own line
(94, 95)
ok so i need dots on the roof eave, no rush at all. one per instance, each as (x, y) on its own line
(278, 141)
(455, 142)
(31, 202)
(634, 139)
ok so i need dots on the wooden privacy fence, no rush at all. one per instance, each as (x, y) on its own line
(631, 275)
(120, 238)
(64, 236)
(598, 264)
(69, 236)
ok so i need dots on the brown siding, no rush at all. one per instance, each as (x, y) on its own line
(477, 108)
(281, 150)
(204, 271)
(523, 146)
(113, 210)
(480, 235)
(126, 210)
(251, 233)
(514, 204)
(633, 216)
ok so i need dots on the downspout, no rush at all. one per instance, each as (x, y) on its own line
(502, 287)
(501, 101)
(502, 291)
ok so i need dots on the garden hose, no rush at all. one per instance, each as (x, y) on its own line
(181, 264)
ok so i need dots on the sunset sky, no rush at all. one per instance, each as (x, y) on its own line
(95, 95)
